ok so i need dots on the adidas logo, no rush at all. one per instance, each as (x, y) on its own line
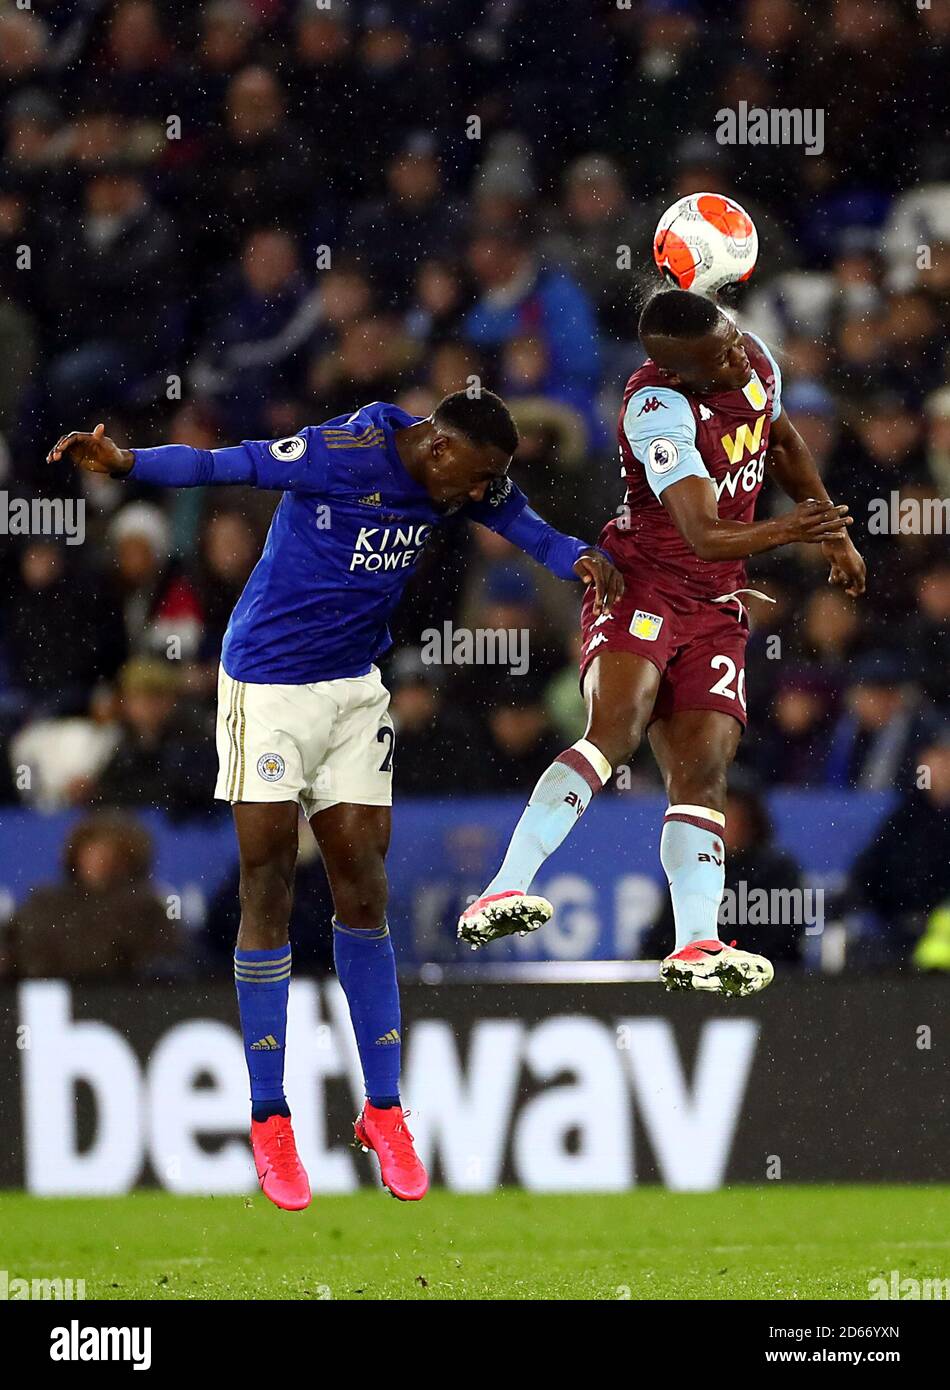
(388, 1039)
(268, 1044)
(372, 499)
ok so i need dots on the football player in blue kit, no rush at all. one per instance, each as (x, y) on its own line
(303, 718)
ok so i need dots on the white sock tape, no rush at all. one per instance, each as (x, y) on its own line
(704, 811)
(596, 759)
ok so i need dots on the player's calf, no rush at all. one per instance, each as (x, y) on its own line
(559, 799)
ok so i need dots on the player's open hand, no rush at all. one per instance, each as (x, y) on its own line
(812, 521)
(593, 567)
(847, 566)
(93, 452)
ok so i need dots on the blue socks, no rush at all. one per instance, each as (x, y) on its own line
(694, 858)
(560, 798)
(366, 968)
(262, 980)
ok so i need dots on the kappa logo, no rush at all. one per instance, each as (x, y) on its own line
(596, 640)
(705, 413)
(649, 406)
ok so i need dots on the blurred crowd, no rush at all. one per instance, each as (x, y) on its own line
(230, 219)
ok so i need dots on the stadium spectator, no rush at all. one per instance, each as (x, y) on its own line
(230, 548)
(227, 32)
(937, 442)
(60, 632)
(254, 160)
(587, 233)
(929, 635)
(373, 360)
(441, 298)
(830, 633)
(117, 272)
(437, 740)
(159, 604)
(520, 742)
(888, 433)
(414, 221)
(54, 762)
(793, 747)
(103, 921)
(23, 50)
(518, 296)
(884, 720)
(902, 879)
(563, 699)
(256, 348)
(164, 755)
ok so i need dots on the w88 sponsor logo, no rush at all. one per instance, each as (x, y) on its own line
(747, 478)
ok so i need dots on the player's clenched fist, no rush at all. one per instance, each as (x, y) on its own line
(593, 567)
(814, 521)
(847, 567)
(94, 452)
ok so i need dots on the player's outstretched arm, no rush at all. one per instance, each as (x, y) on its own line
(692, 505)
(793, 468)
(280, 463)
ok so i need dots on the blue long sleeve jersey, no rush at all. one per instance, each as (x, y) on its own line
(343, 543)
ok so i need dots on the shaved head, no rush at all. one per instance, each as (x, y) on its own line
(694, 342)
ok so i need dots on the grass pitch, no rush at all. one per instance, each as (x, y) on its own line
(770, 1242)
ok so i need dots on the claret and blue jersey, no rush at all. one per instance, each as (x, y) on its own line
(342, 544)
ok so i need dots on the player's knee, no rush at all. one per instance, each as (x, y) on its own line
(617, 736)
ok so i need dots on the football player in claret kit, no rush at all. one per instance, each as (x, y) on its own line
(303, 715)
(701, 424)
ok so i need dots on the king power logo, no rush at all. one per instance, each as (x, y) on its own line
(387, 547)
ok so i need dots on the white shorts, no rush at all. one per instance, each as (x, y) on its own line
(318, 744)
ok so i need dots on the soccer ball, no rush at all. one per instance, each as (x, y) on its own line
(705, 241)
